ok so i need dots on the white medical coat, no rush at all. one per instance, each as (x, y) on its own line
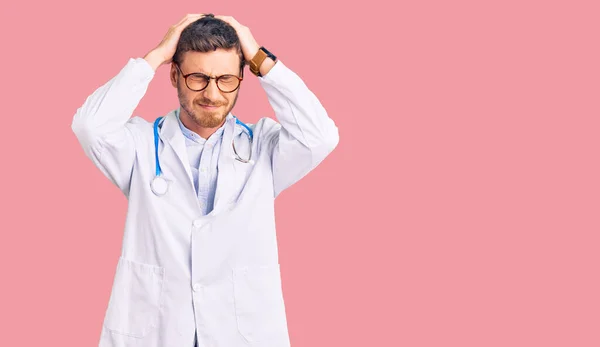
(180, 271)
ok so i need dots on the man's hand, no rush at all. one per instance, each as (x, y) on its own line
(249, 45)
(164, 52)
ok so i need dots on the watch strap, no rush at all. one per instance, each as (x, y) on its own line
(258, 59)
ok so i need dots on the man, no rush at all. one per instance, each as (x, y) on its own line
(199, 262)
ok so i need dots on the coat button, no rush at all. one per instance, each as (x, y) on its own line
(197, 223)
(197, 287)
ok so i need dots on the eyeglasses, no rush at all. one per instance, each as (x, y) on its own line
(198, 81)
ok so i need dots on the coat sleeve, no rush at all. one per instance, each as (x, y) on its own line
(304, 135)
(103, 124)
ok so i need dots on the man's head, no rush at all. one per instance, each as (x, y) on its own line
(211, 47)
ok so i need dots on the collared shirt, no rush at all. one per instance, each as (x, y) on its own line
(203, 156)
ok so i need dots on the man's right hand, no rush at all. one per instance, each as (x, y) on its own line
(163, 53)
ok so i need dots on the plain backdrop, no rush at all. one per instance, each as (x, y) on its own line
(461, 207)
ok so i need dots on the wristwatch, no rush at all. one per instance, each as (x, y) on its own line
(258, 59)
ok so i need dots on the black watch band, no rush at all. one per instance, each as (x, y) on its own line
(269, 54)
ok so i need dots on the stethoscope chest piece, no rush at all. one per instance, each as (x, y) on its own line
(159, 185)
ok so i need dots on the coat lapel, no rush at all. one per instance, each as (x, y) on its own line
(171, 133)
(226, 168)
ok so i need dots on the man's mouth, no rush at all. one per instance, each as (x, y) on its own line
(209, 107)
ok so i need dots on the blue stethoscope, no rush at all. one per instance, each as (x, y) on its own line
(159, 184)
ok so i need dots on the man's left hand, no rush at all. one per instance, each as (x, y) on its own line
(249, 45)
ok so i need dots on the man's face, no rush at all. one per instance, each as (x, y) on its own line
(216, 63)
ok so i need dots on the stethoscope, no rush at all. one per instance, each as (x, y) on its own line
(159, 184)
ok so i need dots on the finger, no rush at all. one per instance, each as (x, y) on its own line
(189, 17)
(192, 17)
(187, 22)
(182, 20)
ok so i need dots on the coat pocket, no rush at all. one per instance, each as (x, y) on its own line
(136, 298)
(259, 304)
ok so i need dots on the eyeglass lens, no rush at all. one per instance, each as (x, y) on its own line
(226, 83)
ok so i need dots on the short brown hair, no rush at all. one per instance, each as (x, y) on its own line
(206, 35)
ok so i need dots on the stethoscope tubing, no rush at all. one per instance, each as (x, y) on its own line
(155, 182)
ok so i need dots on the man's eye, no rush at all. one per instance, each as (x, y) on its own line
(197, 77)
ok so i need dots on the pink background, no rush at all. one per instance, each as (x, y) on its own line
(461, 207)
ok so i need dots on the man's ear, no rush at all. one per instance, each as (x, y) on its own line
(173, 75)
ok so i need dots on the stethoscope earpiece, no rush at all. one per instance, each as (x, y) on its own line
(235, 157)
(251, 137)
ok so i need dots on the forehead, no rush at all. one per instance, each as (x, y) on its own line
(215, 63)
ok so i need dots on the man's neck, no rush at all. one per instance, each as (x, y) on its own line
(203, 132)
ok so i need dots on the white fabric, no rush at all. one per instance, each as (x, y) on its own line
(181, 270)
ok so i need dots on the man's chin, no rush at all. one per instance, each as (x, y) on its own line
(211, 120)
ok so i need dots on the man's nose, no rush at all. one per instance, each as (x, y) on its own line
(212, 92)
